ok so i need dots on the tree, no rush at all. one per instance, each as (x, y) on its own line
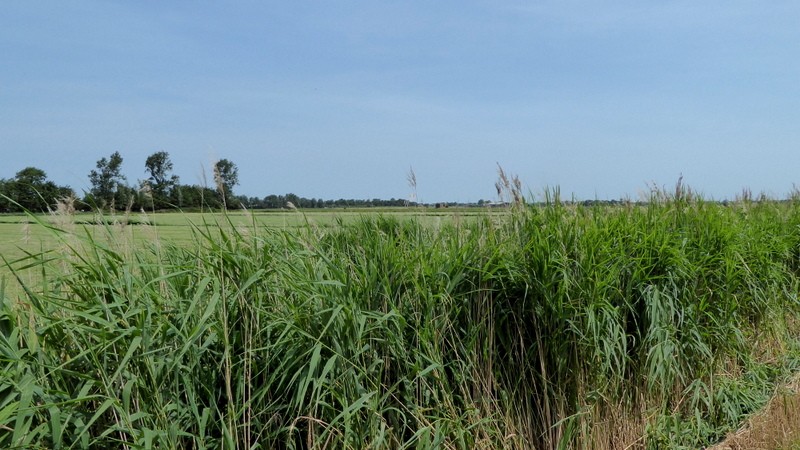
(226, 176)
(194, 196)
(30, 190)
(106, 180)
(26, 189)
(5, 204)
(31, 175)
(162, 183)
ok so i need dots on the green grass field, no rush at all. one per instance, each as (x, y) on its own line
(551, 326)
(20, 233)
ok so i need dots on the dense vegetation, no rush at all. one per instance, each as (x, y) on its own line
(657, 326)
(30, 190)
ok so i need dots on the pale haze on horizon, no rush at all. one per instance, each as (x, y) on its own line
(341, 99)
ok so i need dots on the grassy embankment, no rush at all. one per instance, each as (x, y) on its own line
(658, 326)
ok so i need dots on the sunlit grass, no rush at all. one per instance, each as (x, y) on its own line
(552, 326)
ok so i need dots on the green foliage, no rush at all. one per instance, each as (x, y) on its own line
(161, 182)
(510, 331)
(106, 180)
(193, 196)
(30, 190)
(226, 176)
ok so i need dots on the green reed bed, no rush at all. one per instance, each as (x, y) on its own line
(552, 326)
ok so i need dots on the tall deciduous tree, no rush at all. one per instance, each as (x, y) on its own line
(106, 180)
(226, 176)
(162, 182)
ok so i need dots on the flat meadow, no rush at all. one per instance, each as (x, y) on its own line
(21, 234)
(662, 324)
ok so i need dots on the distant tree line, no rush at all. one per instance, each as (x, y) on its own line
(289, 200)
(161, 190)
(110, 190)
(31, 190)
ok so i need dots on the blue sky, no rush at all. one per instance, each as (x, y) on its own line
(340, 99)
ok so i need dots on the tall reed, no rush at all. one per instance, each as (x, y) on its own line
(659, 325)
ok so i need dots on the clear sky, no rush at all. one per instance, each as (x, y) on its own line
(338, 99)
